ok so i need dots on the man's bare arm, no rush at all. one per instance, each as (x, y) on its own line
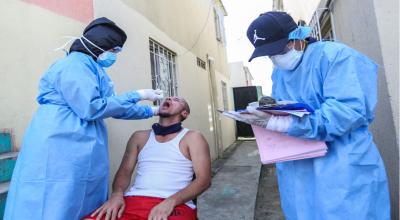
(123, 176)
(200, 155)
(115, 205)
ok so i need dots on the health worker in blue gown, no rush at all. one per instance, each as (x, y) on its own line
(340, 84)
(62, 170)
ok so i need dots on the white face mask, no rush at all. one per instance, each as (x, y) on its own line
(289, 60)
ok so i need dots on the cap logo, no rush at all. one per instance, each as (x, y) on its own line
(255, 37)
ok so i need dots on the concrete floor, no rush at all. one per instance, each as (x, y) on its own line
(242, 189)
(268, 206)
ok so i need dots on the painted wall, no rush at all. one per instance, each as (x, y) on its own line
(301, 9)
(81, 10)
(228, 131)
(191, 24)
(389, 11)
(238, 74)
(33, 28)
(183, 21)
(133, 68)
(29, 33)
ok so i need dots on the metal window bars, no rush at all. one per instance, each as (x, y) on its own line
(277, 5)
(325, 15)
(163, 68)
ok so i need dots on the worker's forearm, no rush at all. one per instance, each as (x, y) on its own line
(121, 182)
(190, 192)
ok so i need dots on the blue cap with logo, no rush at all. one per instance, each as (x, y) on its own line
(269, 33)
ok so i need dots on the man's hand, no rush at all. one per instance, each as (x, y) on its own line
(260, 114)
(112, 209)
(253, 117)
(162, 210)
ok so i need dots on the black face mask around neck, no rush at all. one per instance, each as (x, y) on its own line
(161, 130)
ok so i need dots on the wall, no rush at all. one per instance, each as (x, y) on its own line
(33, 28)
(133, 68)
(29, 33)
(183, 21)
(301, 9)
(389, 11)
(238, 74)
(228, 131)
(191, 23)
(39, 26)
(386, 10)
(248, 76)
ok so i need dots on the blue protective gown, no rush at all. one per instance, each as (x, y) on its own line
(350, 181)
(62, 169)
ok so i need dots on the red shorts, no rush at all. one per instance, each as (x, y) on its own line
(139, 207)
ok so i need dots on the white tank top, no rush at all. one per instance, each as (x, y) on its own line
(162, 169)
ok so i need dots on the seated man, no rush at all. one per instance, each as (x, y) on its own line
(168, 156)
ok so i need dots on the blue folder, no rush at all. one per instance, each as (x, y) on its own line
(294, 106)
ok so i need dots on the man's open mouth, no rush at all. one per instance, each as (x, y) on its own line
(165, 104)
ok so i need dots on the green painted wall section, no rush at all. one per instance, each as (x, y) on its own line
(6, 169)
(3, 198)
(5, 142)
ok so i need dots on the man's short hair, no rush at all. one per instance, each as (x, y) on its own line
(185, 107)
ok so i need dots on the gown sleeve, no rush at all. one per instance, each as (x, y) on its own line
(347, 105)
(79, 87)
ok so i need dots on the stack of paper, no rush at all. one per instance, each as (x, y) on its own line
(277, 147)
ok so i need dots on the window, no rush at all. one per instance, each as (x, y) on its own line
(322, 25)
(201, 63)
(326, 28)
(219, 24)
(163, 68)
(277, 5)
(224, 96)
